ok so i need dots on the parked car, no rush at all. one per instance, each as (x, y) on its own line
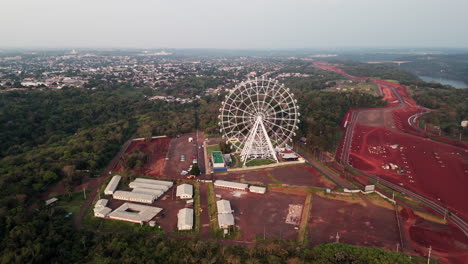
(182, 157)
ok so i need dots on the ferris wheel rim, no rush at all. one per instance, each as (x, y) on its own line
(280, 121)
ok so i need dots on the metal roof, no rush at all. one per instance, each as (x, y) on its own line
(233, 185)
(136, 184)
(134, 197)
(184, 190)
(114, 182)
(224, 207)
(156, 193)
(157, 182)
(136, 213)
(225, 220)
(185, 219)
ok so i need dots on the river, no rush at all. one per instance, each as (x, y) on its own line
(454, 83)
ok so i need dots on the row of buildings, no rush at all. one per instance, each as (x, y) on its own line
(143, 191)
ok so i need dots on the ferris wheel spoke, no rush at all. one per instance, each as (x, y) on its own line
(280, 127)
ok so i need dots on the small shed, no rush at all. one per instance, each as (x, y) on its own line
(51, 201)
(257, 189)
(184, 191)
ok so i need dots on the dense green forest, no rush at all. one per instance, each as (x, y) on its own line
(449, 105)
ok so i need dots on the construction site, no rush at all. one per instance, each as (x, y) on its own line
(306, 202)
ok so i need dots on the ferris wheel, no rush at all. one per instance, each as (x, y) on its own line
(257, 116)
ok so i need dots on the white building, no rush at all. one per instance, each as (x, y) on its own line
(257, 189)
(136, 213)
(157, 182)
(51, 201)
(134, 197)
(231, 185)
(156, 193)
(184, 191)
(185, 219)
(224, 207)
(136, 184)
(225, 220)
(102, 211)
(101, 203)
(114, 182)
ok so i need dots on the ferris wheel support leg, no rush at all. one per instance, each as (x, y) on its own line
(270, 146)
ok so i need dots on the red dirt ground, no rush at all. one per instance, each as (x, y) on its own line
(446, 241)
(258, 213)
(301, 175)
(156, 149)
(371, 226)
(436, 170)
(179, 146)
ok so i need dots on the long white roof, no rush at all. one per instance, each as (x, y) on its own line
(233, 185)
(224, 207)
(225, 220)
(134, 197)
(257, 189)
(135, 184)
(101, 203)
(158, 182)
(139, 213)
(184, 189)
(185, 218)
(156, 193)
(114, 182)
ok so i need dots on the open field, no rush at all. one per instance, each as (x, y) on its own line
(301, 175)
(355, 223)
(262, 215)
(436, 170)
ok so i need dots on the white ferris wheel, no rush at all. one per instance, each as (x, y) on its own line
(258, 116)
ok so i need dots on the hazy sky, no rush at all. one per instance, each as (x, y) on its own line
(266, 24)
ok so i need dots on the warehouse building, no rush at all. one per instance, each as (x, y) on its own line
(135, 213)
(184, 191)
(135, 184)
(218, 161)
(134, 197)
(185, 219)
(224, 207)
(112, 186)
(157, 182)
(156, 193)
(257, 189)
(231, 185)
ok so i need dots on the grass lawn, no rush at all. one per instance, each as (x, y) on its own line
(258, 162)
(210, 149)
(303, 227)
(212, 210)
(71, 202)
